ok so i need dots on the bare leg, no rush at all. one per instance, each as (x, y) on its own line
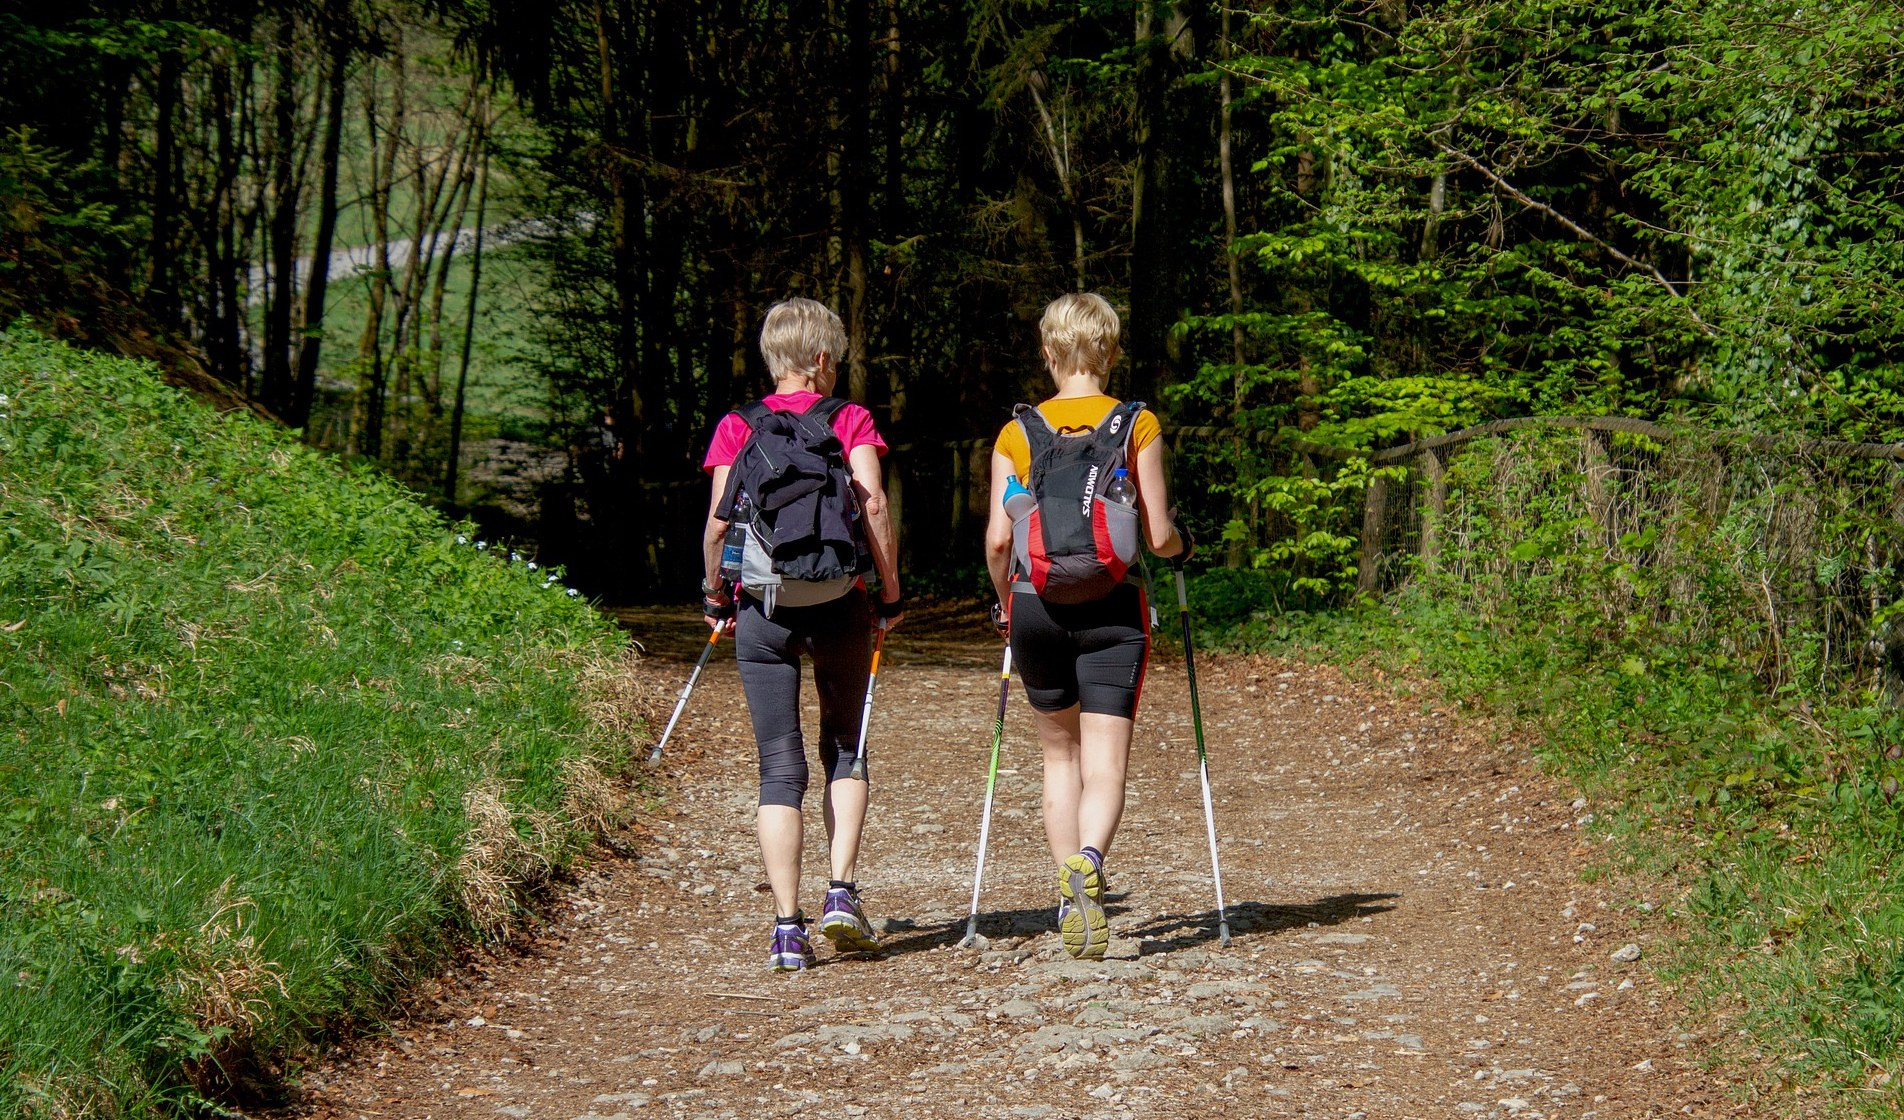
(780, 839)
(845, 817)
(1103, 759)
(1064, 784)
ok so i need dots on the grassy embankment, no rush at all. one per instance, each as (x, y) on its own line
(272, 740)
(1770, 818)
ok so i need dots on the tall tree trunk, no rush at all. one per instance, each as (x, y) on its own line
(469, 321)
(1058, 147)
(318, 287)
(162, 296)
(899, 324)
(223, 344)
(1238, 552)
(282, 231)
(624, 216)
(856, 157)
(1161, 44)
(460, 197)
(366, 437)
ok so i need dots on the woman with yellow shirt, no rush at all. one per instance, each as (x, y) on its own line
(1082, 663)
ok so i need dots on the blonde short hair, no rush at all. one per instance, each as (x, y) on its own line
(796, 332)
(1080, 329)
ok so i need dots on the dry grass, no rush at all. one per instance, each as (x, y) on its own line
(497, 864)
(622, 699)
(223, 982)
(590, 798)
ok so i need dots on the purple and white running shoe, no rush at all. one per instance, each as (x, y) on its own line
(790, 950)
(845, 924)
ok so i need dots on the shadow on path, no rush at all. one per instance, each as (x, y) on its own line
(1255, 917)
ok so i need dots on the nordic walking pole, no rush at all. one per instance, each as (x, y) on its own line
(687, 689)
(866, 713)
(1203, 762)
(991, 783)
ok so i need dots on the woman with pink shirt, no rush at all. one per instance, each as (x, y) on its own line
(802, 342)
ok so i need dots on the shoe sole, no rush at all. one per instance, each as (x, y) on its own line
(1084, 928)
(848, 935)
(787, 962)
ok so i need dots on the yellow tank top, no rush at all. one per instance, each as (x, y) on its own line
(1072, 412)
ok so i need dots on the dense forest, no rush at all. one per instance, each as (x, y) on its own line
(1336, 224)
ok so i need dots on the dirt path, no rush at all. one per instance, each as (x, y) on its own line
(1412, 934)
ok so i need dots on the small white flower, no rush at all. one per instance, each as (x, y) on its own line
(461, 539)
(482, 546)
(5, 400)
(573, 593)
(515, 557)
(457, 642)
(532, 565)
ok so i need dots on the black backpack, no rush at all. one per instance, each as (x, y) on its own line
(794, 494)
(1072, 545)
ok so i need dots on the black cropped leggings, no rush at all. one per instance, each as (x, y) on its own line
(838, 635)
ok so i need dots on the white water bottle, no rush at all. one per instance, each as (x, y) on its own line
(1121, 491)
(1018, 500)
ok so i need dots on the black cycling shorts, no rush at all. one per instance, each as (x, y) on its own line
(1088, 654)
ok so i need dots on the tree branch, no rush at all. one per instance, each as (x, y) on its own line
(1577, 229)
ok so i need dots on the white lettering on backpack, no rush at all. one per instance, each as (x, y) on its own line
(1090, 486)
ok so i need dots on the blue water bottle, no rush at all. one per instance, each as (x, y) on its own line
(734, 545)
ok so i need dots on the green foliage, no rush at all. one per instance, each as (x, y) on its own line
(271, 738)
(1504, 207)
(1702, 637)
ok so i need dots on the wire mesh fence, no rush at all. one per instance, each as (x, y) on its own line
(1782, 555)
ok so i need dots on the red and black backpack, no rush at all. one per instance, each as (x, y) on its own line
(1072, 546)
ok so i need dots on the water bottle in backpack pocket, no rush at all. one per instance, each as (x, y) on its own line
(1078, 537)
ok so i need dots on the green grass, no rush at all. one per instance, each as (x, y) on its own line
(1765, 816)
(271, 740)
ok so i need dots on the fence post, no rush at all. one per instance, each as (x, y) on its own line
(1374, 509)
(1437, 476)
(1599, 470)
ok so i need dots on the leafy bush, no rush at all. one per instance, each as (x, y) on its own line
(271, 738)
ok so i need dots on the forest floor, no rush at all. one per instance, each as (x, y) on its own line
(1413, 932)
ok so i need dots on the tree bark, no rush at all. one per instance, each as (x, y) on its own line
(1238, 553)
(162, 296)
(317, 288)
(1161, 45)
(856, 157)
(282, 231)
(469, 323)
(366, 436)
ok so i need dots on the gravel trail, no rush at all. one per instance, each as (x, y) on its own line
(1413, 935)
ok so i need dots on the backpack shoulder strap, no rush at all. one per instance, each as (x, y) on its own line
(1039, 435)
(824, 409)
(754, 412)
(1114, 431)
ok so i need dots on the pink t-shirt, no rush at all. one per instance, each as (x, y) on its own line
(852, 423)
